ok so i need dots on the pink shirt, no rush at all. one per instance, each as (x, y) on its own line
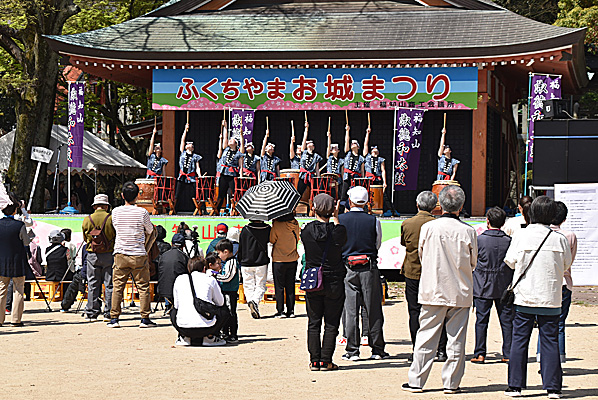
(572, 239)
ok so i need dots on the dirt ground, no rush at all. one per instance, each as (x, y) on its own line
(60, 356)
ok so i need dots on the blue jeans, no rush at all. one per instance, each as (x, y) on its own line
(565, 305)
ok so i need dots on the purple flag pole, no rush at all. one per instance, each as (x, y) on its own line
(74, 154)
(407, 148)
(242, 124)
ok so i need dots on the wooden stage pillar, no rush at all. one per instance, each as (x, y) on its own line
(478, 150)
(168, 141)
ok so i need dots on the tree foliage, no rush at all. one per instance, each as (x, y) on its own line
(539, 10)
(579, 14)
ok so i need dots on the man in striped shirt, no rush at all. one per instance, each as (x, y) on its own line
(132, 224)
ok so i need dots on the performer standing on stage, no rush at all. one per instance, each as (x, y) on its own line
(353, 164)
(334, 163)
(375, 170)
(230, 163)
(310, 162)
(155, 161)
(188, 171)
(295, 153)
(447, 166)
(269, 163)
(251, 162)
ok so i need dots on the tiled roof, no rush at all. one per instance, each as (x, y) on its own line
(303, 31)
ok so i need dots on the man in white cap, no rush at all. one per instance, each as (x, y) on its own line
(99, 234)
(362, 283)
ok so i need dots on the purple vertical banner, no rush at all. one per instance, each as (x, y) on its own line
(76, 104)
(407, 148)
(543, 87)
(242, 124)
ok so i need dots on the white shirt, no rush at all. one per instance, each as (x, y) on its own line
(131, 224)
(448, 250)
(206, 288)
(378, 227)
(513, 225)
(542, 284)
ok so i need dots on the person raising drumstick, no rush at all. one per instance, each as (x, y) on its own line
(447, 166)
(334, 162)
(295, 153)
(155, 161)
(230, 162)
(251, 162)
(353, 165)
(269, 163)
(189, 170)
(310, 162)
(375, 169)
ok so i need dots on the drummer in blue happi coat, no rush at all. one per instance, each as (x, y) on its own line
(155, 161)
(375, 169)
(230, 163)
(353, 165)
(269, 163)
(251, 162)
(189, 170)
(295, 152)
(447, 165)
(310, 162)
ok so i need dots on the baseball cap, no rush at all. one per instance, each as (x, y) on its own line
(324, 204)
(221, 228)
(178, 238)
(358, 195)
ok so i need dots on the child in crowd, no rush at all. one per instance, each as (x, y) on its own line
(229, 283)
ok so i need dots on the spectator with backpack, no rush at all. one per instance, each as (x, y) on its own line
(99, 234)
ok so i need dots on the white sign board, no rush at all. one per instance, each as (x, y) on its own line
(582, 219)
(41, 154)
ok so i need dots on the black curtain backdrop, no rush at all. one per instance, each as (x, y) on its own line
(205, 127)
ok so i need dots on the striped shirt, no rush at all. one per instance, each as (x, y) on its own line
(131, 224)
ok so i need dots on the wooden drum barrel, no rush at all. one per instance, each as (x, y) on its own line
(146, 194)
(291, 173)
(377, 195)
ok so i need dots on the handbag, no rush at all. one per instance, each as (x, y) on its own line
(206, 309)
(508, 296)
(312, 279)
(359, 261)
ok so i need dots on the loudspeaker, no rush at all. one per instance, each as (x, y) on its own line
(555, 108)
(565, 151)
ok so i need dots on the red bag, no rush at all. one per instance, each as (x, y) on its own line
(358, 261)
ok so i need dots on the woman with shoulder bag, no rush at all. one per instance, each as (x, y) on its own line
(539, 257)
(194, 328)
(323, 242)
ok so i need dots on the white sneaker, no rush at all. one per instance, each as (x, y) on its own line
(554, 394)
(365, 341)
(214, 341)
(183, 341)
(342, 341)
(91, 319)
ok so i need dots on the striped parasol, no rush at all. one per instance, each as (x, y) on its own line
(268, 200)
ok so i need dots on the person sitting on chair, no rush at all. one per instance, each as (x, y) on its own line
(57, 258)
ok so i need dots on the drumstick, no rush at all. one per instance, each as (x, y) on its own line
(187, 117)
(321, 169)
(292, 128)
(224, 113)
(368, 120)
(444, 121)
(305, 115)
(329, 124)
(347, 116)
(267, 125)
(155, 122)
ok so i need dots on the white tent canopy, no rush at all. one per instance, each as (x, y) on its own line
(98, 155)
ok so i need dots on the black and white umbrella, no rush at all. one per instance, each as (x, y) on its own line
(268, 200)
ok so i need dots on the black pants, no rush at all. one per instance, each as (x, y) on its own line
(284, 285)
(386, 203)
(184, 194)
(231, 327)
(550, 363)
(344, 196)
(505, 316)
(196, 334)
(70, 295)
(327, 304)
(225, 182)
(414, 308)
(301, 186)
(365, 323)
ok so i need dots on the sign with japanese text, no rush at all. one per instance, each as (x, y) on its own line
(315, 88)
(241, 122)
(543, 87)
(407, 148)
(76, 104)
(41, 154)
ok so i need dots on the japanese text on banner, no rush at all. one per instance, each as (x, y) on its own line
(543, 87)
(76, 105)
(242, 124)
(407, 148)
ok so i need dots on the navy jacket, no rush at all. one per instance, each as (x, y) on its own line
(361, 234)
(491, 275)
